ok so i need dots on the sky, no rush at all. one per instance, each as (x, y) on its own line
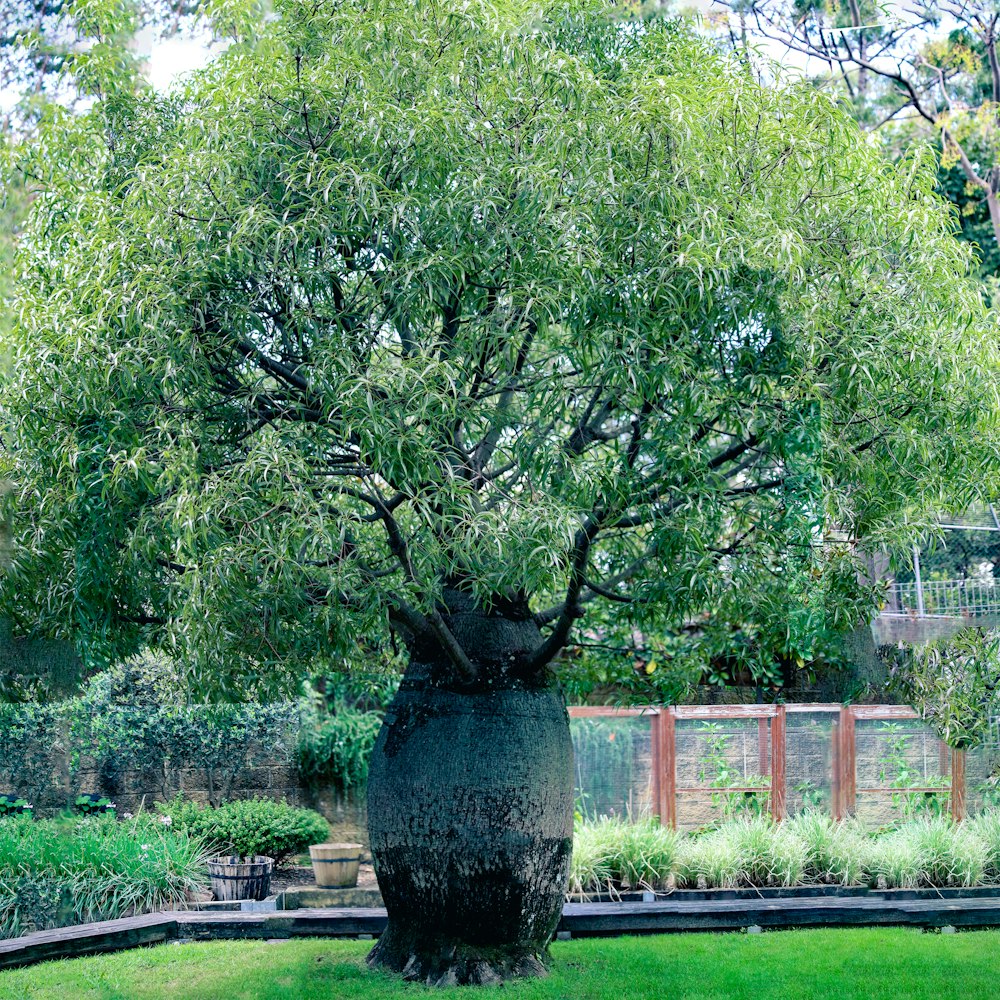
(167, 61)
(171, 58)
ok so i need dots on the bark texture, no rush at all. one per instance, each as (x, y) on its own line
(470, 810)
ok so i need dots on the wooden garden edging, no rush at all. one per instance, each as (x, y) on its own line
(578, 920)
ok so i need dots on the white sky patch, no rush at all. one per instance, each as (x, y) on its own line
(170, 59)
(167, 60)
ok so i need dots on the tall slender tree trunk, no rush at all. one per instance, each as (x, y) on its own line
(470, 809)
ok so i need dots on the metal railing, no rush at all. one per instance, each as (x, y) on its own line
(943, 599)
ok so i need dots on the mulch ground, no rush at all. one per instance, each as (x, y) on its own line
(288, 876)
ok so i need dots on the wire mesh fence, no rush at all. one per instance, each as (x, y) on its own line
(723, 770)
(613, 765)
(697, 766)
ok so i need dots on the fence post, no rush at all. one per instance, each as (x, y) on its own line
(778, 750)
(847, 763)
(656, 763)
(919, 582)
(957, 784)
(668, 756)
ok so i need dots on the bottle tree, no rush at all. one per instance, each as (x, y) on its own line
(455, 323)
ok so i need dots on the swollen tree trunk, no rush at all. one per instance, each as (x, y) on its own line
(470, 809)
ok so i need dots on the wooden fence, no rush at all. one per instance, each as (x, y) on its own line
(669, 726)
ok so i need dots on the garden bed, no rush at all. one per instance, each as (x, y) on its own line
(792, 892)
(671, 915)
(811, 852)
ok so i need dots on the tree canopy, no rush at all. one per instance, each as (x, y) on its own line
(556, 308)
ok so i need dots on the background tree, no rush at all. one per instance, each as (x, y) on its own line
(72, 50)
(953, 682)
(450, 324)
(936, 62)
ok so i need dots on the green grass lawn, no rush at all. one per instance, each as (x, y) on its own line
(837, 964)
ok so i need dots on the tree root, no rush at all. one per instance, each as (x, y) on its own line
(455, 964)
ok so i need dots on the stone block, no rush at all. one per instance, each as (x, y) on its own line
(282, 777)
(312, 897)
(257, 778)
(192, 777)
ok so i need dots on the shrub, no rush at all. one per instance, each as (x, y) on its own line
(54, 873)
(118, 735)
(221, 739)
(32, 748)
(249, 826)
(13, 805)
(89, 804)
(336, 751)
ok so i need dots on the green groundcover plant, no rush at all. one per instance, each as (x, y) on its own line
(72, 870)
(812, 849)
(248, 827)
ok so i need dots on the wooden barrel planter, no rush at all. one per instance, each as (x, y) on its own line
(240, 878)
(335, 865)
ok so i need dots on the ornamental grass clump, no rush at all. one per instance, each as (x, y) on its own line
(987, 827)
(769, 853)
(754, 851)
(611, 854)
(928, 853)
(836, 852)
(810, 849)
(646, 855)
(55, 873)
(708, 862)
(594, 846)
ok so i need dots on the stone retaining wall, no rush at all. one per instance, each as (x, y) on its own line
(52, 782)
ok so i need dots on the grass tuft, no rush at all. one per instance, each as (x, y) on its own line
(837, 853)
(929, 853)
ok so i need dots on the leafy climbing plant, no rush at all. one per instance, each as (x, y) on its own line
(717, 768)
(898, 771)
